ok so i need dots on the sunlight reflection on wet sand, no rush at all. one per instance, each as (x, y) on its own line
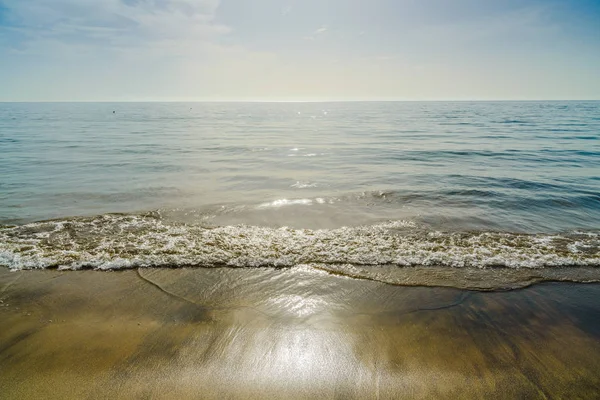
(295, 333)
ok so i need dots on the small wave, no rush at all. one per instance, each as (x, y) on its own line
(286, 202)
(130, 241)
(303, 185)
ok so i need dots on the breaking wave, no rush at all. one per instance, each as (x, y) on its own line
(115, 241)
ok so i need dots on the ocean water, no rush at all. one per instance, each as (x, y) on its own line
(468, 194)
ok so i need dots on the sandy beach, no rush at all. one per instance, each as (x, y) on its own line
(290, 333)
(264, 200)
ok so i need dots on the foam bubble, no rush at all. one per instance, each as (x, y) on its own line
(131, 241)
(285, 202)
(303, 185)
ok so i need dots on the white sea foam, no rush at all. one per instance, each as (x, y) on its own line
(304, 185)
(285, 202)
(129, 241)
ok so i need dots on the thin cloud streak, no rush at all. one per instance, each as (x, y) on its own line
(232, 49)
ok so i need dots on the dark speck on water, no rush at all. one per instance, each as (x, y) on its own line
(356, 189)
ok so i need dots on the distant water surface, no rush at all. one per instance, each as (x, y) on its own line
(457, 184)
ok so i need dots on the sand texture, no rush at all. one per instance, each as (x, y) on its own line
(290, 334)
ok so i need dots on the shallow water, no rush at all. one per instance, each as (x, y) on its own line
(457, 184)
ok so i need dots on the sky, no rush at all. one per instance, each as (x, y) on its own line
(299, 50)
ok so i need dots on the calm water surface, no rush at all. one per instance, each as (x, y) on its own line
(493, 183)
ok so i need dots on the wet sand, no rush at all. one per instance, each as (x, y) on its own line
(291, 333)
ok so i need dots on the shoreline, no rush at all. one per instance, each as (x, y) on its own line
(290, 333)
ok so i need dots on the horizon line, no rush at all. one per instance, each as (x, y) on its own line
(296, 101)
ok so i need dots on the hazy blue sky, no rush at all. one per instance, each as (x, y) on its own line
(299, 49)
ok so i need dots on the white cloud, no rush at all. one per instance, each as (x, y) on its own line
(321, 30)
(113, 24)
(178, 49)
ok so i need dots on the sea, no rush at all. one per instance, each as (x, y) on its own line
(478, 195)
